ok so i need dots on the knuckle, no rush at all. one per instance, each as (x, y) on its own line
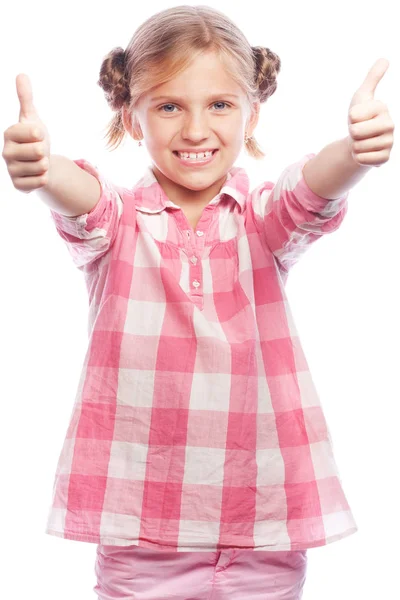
(17, 185)
(7, 153)
(12, 170)
(356, 131)
(388, 139)
(39, 150)
(353, 130)
(353, 114)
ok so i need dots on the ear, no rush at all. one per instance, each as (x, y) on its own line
(131, 123)
(253, 118)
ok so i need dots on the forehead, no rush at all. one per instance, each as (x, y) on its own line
(205, 77)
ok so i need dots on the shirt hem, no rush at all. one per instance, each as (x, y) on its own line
(112, 541)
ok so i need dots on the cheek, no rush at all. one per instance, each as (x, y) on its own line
(162, 131)
(158, 137)
(232, 131)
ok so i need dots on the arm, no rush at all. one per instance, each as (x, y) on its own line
(291, 216)
(310, 200)
(70, 190)
(339, 166)
(88, 235)
(333, 171)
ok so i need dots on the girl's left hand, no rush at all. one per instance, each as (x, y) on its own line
(370, 125)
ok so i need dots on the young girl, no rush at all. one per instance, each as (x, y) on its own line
(197, 456)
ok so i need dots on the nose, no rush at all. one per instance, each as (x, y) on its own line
(196, 127)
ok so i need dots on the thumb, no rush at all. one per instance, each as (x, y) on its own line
(367, 89)
(24, 90)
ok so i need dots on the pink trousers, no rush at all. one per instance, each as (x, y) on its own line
(135, 573)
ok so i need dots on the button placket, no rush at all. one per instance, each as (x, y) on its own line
(196, 282)
(196, 268)
(194, 242)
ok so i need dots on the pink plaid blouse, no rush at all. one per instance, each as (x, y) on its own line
(196, 424)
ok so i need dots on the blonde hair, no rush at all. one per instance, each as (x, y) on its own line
(164, 46)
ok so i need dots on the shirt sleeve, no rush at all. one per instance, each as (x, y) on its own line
(91, 235)
(292, 216)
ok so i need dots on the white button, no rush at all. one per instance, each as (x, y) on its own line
(196, 283)
(200, 233)
(194, 259)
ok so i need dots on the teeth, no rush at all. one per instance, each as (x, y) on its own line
(195, 156)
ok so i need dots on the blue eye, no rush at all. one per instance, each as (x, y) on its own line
(161, 107)
(220, 102)
(170, 111)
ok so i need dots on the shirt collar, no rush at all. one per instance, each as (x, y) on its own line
(151, 197)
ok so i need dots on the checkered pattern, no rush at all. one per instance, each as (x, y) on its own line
(196, 424)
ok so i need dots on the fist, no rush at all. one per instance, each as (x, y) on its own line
(26, 148)
(370, 124)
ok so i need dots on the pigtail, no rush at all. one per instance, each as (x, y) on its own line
(113, 80)
(267, 67)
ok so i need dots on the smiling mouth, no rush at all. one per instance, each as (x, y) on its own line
(177, 153)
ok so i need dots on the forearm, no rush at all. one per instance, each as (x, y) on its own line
(333, 171)
(70, 190)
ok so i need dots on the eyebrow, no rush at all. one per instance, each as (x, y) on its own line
(180, 98)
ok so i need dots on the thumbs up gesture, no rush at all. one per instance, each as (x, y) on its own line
(370, 125)
(26, 148)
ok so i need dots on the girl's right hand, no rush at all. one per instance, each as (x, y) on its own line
(27, 143)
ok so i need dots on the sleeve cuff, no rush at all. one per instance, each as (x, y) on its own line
(313, 202)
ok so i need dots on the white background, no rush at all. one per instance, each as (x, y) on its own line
(344, 292)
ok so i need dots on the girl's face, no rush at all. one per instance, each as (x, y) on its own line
(202, 108)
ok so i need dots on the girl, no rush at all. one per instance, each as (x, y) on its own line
(197, 456)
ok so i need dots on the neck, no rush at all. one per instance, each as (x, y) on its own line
(184, 197)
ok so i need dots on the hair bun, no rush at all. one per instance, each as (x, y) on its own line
(112, 78)
(268, 65)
